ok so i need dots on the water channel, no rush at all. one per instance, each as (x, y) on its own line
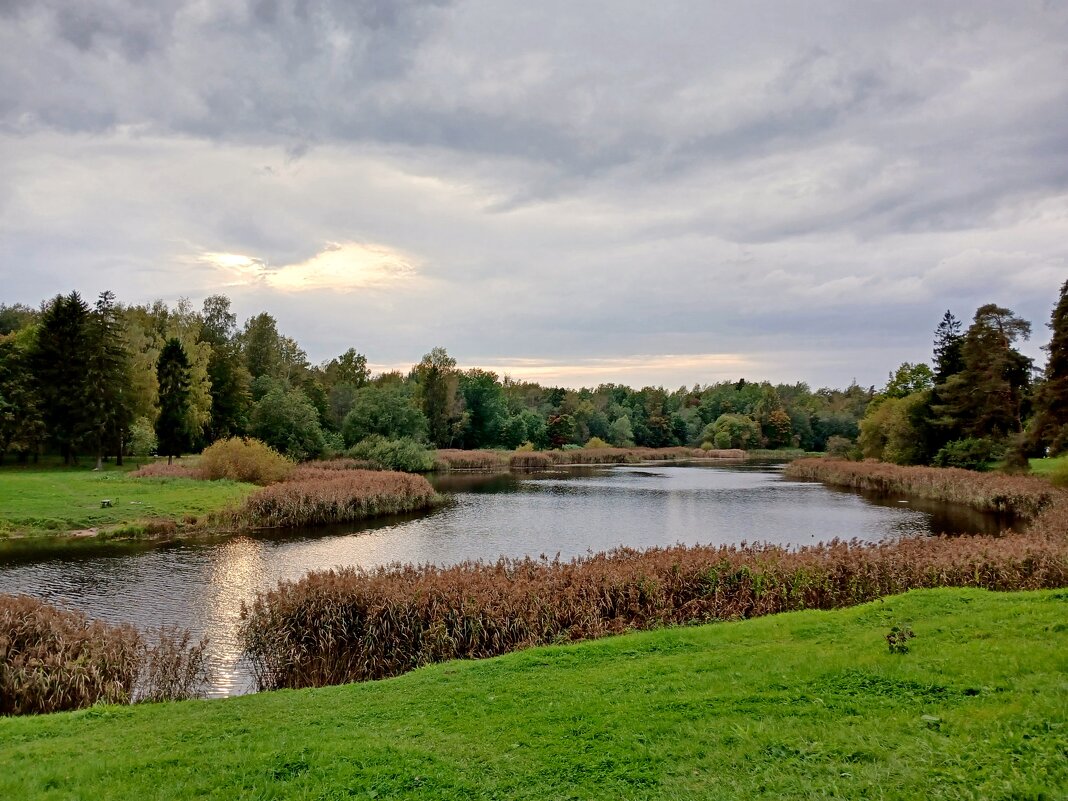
(569, 513)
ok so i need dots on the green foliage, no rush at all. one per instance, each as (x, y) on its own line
(387, 411)
(893, 430)
(243, 459)
(107, 377)
(142, 441)
(402, 454)
(58, 362)
(172, 377)
(287, 421)
(560, 429)
(840, 447)
(21, 427)
(438, 382)
(742, 431)
(1049, 430)
(908, 379)
(947, 348)
(721, 439)
(261, 346)
(971, 454)
(485, 407)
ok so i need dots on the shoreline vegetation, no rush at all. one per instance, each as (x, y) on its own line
(801, 705)
(216, 493)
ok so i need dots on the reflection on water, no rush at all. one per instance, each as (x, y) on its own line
(568, 512)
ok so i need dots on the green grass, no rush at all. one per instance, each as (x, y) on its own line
(798, 706)
(49, 500)
(1046, 467)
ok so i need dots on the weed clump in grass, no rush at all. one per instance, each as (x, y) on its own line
(53, 659)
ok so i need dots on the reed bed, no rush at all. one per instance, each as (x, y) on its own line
(1023, 496)
(53, 659)
(317, 495)
(456, 459)
(164, 470)
(350, 624)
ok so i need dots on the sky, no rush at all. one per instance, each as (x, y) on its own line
(660, 193)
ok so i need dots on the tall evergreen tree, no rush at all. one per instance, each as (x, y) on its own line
(985, 399)
(20, 420)
(173, 376)
(59, 363)
(108, 378)
(1050, 425)
(947, 348)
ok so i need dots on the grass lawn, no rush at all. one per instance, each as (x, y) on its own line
(798, 706)
(1045, 467)
(54, 499)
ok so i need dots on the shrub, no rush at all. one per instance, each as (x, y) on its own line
(53, 659)
(969, 454)
(722, 439)
(840, 448)
(596, 442)
(405, 455)
(142, 440)
(164, 470)
(245, 459)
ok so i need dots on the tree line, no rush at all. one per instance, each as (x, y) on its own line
(113, 380)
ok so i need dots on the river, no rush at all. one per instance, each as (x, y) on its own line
(569, 513)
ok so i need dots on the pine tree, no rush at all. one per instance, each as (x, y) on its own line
(59, 363)
(173, 376)
(108, 373)
(230, 399)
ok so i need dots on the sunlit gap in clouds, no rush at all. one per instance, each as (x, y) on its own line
(637, 370)
(339, 266)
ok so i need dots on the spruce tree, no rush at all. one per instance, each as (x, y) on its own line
(173, 377)
(59, 361)
(947, 348)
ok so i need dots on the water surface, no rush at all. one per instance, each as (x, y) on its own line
(568, 513)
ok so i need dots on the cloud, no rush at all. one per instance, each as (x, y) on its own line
(340, 267)
(579, 183)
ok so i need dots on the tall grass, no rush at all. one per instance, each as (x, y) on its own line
(321, 496)
(53, 659)
(350, 624)
(1022, 496)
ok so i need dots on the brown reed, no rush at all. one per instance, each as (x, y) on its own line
(1022, 496)
(54, 659)
(351, 624)
(164, 470)
(316, 495)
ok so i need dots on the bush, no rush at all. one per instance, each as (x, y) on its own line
(405, 455)
(970, 454)
(243, 460)
(840, 448)
(596, 442)
(142, 440)
(722, 440)
(54, 659)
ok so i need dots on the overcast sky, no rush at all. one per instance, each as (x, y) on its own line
(642, 192)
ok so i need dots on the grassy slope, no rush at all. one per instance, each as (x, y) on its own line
(802, 705)
(50, 500)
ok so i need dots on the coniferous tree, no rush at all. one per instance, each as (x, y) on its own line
(947, 348)
(21, 427)
(173, 376)
(59, 363)
(1050, 426)
(985, 399)
(108, 378)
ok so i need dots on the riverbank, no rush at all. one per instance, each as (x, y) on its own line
(70, 505)
(798, 705)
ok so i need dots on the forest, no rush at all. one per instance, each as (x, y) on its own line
(110, 380)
